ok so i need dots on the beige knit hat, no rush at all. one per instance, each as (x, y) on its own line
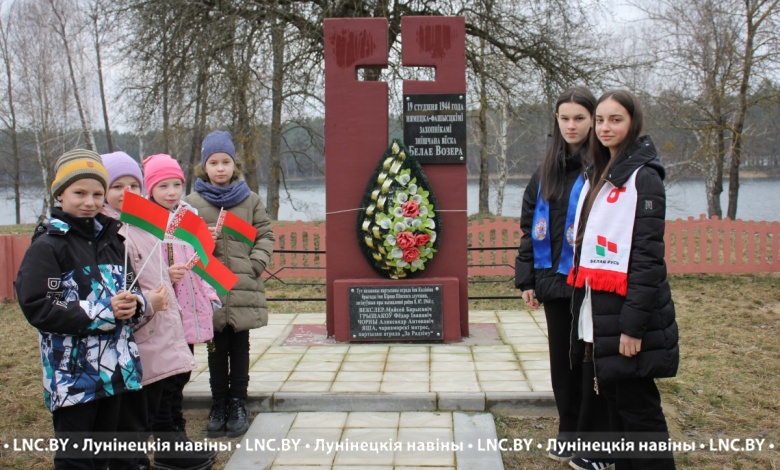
(75, 165)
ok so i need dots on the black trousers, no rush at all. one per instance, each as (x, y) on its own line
(177, 395)
(566, 376)
(635, 414)
(229, 364)
(136, 414)
(96, 420)
(594, 424)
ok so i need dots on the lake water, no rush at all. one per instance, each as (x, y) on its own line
(757, 201)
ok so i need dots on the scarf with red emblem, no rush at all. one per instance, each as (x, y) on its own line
(606, 243)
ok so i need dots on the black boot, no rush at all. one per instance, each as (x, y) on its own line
(238, 420)
(179, 428)
(181, 460)
(217, 418)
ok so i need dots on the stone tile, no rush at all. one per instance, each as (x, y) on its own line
(410, 357)
(359, 377)
(535, 356)
(424, 436)
(312, 366)
(355, 387)
(465, 376)
(308, 455)
(367, 458)
(257, 386)
(268, 376)
(497, 365)
(505, 386)
(372, 366)
(405, 377)
(537, 374)
(365, 357)
(312, 377)
(320, 420)
(420, 419)
(536, 365)
(361, 419)
(402, 366)
(531, 347)
(369, 347)
(446, 357)
(450, 349)
(407, 349)
(454, 386)
(491, 349)
(316, 355)
(297, 350)
(305, 387)
(404, 387)
(498, 357)
(459, 366)
(493, 375)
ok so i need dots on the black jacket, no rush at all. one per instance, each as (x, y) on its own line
(548, 284)
(647, 310)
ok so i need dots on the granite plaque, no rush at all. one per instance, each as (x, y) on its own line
(395, 313)
(435, 127)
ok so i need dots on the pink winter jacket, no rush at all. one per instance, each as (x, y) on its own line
(160, 335)
(195, 296)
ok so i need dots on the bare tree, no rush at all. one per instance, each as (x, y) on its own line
(96, 14)
(11, 126)
(60, 26)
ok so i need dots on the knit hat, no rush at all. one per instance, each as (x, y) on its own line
(75, 165)
(119, 164)
(216, 142)
(160, 167)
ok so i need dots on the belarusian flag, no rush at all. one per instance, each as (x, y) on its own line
(216, 274)
(144, 214)
(237, 227)
(193, 230)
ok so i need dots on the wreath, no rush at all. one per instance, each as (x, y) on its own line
(398, 225)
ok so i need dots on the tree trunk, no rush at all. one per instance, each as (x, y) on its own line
(503, 148)
(484, 156)
(275, 168)
(47, 200)
(12, 124)
(101, 81)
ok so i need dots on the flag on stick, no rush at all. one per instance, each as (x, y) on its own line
(239, 228)
(193, 230)
(144, 214)
(217, 275)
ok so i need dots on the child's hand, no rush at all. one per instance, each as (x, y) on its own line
(176, 272)
(159, 298)
(124, 305)
(214, 233)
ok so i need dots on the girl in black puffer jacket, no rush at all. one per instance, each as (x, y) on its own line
(545, 259)
(622, 296)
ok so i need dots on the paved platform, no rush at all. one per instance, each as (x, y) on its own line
(405, 405)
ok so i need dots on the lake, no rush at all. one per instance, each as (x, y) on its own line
(757, 198)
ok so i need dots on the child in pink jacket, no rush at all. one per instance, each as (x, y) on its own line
(164, 181)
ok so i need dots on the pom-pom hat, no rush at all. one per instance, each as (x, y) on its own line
(75, 165)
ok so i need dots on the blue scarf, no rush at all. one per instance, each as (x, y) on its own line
(539, 235)
(227, 196)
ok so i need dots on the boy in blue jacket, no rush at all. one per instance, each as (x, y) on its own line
(70, 287)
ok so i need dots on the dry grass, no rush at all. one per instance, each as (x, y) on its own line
(727, 386)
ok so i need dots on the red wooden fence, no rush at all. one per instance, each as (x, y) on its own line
(692, 246)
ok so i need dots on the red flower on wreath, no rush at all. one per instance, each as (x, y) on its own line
(421, 239)
(410, 209)
(405, 240)
(411, 254)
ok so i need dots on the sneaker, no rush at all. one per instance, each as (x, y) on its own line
(180, 434)
(560, 455)
(237, 419)
(580, 463)
(217, 418)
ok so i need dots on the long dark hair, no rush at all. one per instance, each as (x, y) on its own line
(602, 158)
(553, 169)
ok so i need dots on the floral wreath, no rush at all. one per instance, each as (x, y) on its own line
(399, 225)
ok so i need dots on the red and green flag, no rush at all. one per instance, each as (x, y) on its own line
(144, 214)
(216, 274)
(193, 230)
(239, 228)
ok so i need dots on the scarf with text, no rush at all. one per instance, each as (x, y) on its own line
(606, 243)
(541, 224)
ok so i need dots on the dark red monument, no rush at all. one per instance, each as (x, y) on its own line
(361, 304)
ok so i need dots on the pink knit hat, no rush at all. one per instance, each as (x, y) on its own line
(160, 167)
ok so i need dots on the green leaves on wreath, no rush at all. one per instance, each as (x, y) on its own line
(399, 224)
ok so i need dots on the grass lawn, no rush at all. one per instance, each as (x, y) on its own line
(727, 386)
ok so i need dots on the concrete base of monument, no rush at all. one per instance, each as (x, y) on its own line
(370, 310)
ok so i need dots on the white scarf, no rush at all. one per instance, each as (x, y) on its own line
(606, 243)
